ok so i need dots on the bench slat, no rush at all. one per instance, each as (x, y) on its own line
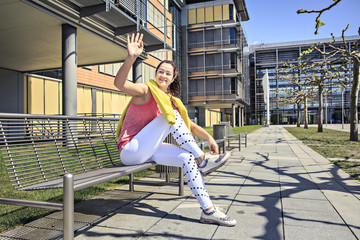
(84, 180)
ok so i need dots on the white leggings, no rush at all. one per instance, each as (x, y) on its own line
(148, 145)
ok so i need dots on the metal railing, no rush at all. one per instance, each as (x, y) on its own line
(136, 9)
(39, 148)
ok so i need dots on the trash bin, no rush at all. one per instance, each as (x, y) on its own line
(219, 131)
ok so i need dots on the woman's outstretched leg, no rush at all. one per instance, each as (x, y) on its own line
(171, 155)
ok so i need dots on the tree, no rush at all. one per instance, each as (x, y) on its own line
(298, 87)
(323, 73)
(352, 53)
(318, 22)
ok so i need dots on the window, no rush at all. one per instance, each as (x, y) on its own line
(217, 37)
(210, 86)
(232, 36)
(209, 14)
(155, 17)
(195, 39)
(231, 13)
(196, 87)
(210, 62)
(200, 15)
(227, 85)
(159, 54)
(218, 63)
(196, 63)
(148, 72)
(225, 12)
(192, 16)
(217, 13)
(209, 38)
(112, 69)
(226, 61)
(226, 36)
(192, 88)
(169, 27)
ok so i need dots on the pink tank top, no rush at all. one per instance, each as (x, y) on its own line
(136, 118)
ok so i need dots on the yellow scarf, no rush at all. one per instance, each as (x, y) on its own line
(163, 100)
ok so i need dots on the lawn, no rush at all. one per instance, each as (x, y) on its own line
(236, 130)
(334, 145)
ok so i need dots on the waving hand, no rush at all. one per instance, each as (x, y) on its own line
(135, 45)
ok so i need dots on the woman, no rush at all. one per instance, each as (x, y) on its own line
(151, 115)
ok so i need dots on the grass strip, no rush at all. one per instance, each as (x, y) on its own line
(237, 130)
(332, 144)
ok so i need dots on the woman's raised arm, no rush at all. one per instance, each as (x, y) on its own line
(135, 47)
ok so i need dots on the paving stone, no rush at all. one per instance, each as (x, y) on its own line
(276, 188)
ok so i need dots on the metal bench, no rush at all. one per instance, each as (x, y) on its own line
(230, 136)
(220, 142)
(73, 153)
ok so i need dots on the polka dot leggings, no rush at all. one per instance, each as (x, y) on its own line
(148, 145)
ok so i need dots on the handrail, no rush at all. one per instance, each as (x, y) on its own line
(58, 117)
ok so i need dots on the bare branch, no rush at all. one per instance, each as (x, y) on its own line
(318, 22)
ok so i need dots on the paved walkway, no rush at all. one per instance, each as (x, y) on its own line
(338, 127)
(277, 188)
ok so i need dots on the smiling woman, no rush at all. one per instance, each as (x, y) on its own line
(153, 113)
(166, 72)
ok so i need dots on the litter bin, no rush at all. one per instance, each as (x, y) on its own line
(219, 131)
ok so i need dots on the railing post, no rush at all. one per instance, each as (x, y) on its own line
(239, 141)
(224, 146)
(246, 139)
(181, 181)
(167, 171)
(68, 194)
(131, 182)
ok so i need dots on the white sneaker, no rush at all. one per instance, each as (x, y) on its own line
(213, 162)
(217, 217)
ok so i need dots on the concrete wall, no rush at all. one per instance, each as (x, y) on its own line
(11, 91)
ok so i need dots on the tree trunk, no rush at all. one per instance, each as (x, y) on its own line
(320, 110)
(298, 114)
(354, 136)
(306, 117)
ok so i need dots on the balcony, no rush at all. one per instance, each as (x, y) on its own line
(31, 31)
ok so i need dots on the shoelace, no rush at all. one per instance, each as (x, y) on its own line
(227, 218)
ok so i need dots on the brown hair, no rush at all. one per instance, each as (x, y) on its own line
(174, 87)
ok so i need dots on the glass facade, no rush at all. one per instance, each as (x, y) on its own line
(217, 68)
(272, 56)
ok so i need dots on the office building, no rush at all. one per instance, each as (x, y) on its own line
(270, 56)
(216, 81)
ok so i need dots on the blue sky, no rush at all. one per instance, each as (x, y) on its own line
(273, 21)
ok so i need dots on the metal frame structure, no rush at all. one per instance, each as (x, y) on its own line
(72, 153)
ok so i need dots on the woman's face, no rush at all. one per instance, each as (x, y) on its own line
(164, 76)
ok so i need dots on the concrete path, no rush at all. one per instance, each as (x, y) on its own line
(338, 127)
(277, 188)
